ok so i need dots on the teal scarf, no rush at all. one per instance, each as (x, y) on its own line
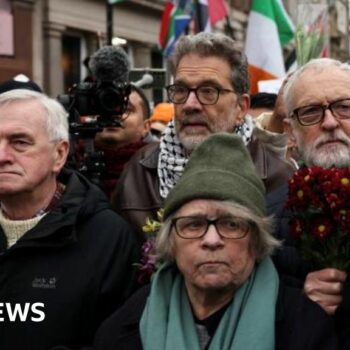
(248, 323)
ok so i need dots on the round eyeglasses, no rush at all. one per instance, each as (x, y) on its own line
(206, 95)
(314, 114)
(191, 227)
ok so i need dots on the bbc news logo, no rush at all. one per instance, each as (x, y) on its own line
(15, 312)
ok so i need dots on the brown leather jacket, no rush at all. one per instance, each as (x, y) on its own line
(137, 194)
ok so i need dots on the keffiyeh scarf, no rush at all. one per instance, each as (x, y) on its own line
(173, 159)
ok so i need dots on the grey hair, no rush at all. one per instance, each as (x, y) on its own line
(218, 45)
(317, 64)
(262, 241)
(57, 117)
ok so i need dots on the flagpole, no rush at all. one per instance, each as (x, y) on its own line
(198, 16)
(229, 29)
(109, 17)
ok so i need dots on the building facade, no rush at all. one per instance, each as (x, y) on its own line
(52, 38)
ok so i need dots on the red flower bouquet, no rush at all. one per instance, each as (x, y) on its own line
(319, 200)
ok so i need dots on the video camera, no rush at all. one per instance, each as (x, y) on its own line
(103, 101)
(92, 106)
(95, 105)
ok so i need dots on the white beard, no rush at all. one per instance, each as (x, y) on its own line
(190, 140)
(326, 155)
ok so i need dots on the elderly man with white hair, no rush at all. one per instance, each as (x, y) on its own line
(66, 258)
(317, 102)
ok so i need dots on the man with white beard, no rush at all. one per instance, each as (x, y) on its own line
(317, 102)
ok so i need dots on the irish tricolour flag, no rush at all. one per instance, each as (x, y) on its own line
(269, 29)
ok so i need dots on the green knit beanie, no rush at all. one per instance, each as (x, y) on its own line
(220, 168)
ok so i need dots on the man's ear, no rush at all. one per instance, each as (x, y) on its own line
(288, 129)
(146, 127)
(243, 104)
(60, 153)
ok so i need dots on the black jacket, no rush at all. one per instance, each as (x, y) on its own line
(77, 261)
(300, 324)
(289, 261)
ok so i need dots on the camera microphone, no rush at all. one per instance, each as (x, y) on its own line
(110, 63)
(106, 97)
(146, 79)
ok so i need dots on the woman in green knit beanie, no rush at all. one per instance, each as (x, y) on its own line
(218, 288)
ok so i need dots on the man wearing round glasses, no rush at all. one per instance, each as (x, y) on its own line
(203, 110)
(317, 99)
(317, 102)
(210, 94)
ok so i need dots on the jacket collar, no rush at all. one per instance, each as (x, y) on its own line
(151, 155)
(58, 227)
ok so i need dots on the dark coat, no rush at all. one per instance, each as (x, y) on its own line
(300, 324)
(342, 315)
(289, 261)
(77, 261)
(137, 194)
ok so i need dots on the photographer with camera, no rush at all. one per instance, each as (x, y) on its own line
(109, 118)
(119, 144)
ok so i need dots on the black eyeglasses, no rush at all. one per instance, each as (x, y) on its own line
(191, 227)
(206, 95)
(314, 114)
